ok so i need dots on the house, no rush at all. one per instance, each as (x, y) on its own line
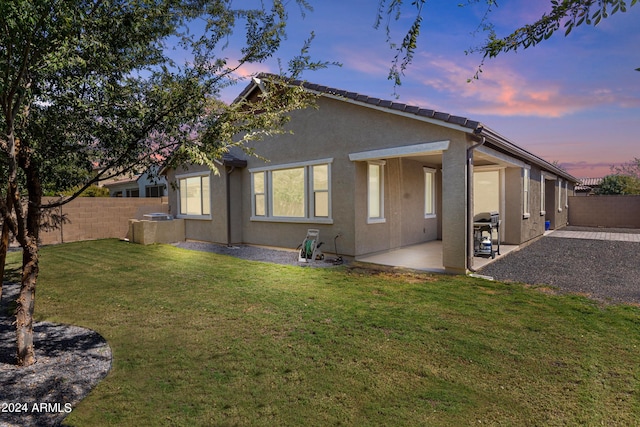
(587, 186)
(381, 175)
(137, 185)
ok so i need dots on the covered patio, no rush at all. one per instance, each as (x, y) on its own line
(426, 257)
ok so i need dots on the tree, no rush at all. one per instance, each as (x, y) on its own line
(619, 184)
(631, 168)
(566, 14)
(86, 84)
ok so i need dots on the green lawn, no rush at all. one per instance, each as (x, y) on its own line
(200, 340)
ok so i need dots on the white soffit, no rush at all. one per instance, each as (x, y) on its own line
(500, 157)
(402, 151)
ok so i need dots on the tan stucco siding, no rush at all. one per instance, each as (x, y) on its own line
(454, 201)
(335, 130)
(514, 206)
(209, 230)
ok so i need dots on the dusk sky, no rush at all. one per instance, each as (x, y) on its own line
(574, 99)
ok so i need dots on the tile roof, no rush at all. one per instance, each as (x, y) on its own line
(397, 106)
(590, 182)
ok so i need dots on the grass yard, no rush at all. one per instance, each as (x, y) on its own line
(201, 339)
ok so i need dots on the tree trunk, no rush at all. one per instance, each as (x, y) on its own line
(26, 303)
(4, 241)
(4, 247)
(30, 268)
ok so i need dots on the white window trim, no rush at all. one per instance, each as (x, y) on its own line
(309, 208)
(264, 193)
(566, 194)
(311, 205)
(526, 192)
(559, 194)
(542, 195)
(432, 172)
(381, 219)
(191, 175)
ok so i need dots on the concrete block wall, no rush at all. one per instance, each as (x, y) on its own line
(605, 211)
(90, 218)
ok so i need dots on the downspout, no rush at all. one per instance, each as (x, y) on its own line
(470, 150)
(228, 185)
(228, 171)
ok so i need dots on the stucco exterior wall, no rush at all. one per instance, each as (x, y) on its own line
(454, 202)
(335, 130)
(209, 230)
(340, 128)
(513, 216)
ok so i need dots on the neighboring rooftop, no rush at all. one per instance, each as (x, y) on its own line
(588, 184)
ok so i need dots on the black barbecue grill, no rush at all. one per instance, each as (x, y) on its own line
(483, 225)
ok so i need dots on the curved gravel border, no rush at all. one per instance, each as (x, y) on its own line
(607, 271)
(70, 361)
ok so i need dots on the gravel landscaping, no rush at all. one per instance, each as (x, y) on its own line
(70, 361)
(608, 271)
(257, 253)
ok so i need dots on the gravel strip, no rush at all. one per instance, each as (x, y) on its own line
(256, 253)
(607, 271)
(70, 361)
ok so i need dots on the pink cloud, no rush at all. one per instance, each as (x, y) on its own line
(503, 91)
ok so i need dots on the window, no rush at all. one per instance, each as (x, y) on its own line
(542, 200)
(288, 192)
(292, 193)
(375, 191)
(526, 183)
(195, 196)
(154, 191)
(132, 192)
(320, 190)
(259, 194)
(429, 193)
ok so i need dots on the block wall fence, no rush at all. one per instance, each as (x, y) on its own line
(90, 218)
(605, 211)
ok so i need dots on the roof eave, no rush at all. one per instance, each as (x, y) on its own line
(502, 142)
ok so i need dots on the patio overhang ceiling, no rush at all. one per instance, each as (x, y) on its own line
(488, 156)
(415, 150)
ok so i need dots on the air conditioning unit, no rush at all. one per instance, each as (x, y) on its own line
(157, 216)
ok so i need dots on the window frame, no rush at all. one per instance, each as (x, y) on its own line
(309, 193)
(559, 194)
(543, 202)
(148, 189)
(526, 192)
(380, 190)
(313, 191)
(203, 203)
(263, 193)
(430, 192)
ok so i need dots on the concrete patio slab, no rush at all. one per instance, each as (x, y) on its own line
(425, 256)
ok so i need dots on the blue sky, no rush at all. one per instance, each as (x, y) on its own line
(575, 99)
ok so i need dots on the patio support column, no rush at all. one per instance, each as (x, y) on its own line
(454, 207)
